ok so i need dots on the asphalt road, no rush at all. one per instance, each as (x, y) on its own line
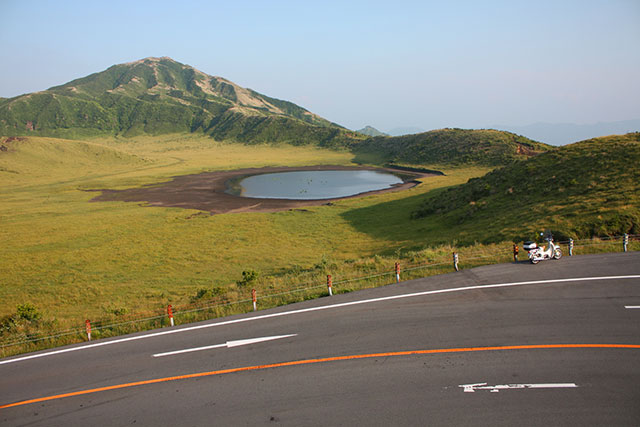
(353, 361)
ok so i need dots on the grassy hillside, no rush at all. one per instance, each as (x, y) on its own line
(73, 259)
(86, 260)
(590, 188)
(36, 160)
(449, 146)
(161, 96)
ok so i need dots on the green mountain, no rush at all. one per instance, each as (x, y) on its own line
(451, 147)
(371, 131)
(590, 188)
(160, 95)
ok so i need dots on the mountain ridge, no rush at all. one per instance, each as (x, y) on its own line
(486, 147)
(159, 95)
(580, 190)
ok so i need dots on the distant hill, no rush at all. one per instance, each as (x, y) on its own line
(406, 130)
(590, 188)
(160, 95)
(371, 131)
(449, 146)
(566, 133)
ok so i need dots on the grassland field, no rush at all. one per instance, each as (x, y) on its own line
(74, 259)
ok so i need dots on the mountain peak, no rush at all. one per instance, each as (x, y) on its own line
(161, 95)
(167, 77)
(151, 59)
(371, 131)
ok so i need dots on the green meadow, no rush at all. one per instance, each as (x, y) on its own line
(64, 259)
(75, 259)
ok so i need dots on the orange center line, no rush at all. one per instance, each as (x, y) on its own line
(321, 360)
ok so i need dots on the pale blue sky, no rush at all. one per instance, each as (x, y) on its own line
(428, 64)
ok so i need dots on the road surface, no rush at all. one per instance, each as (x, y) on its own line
(557, 343)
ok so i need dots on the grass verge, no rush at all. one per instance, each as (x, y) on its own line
(29, 332)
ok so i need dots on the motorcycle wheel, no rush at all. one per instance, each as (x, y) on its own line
(534, 260)
(557, 253)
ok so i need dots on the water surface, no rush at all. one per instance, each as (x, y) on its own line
(313, 185)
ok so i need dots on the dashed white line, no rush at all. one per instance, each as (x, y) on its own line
(308, 310)
(632, 306)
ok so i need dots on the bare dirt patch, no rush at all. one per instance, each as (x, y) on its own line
(206, 191)
(5, 144)
(526, 151)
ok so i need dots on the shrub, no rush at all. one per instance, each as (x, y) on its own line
(208, 293)
(248, 278)
(27, 311)
(325, 264)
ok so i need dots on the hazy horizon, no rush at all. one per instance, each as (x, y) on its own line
(424, 65)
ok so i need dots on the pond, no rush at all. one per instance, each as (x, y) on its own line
(312, 185)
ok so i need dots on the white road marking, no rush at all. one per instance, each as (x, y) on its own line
(471, 388)
(188, 350)
(228, 344)
(308, 310)
(632, 306)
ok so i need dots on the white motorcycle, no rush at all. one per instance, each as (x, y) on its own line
(537, 254)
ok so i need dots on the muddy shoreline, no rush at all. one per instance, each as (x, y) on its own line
(206, 191)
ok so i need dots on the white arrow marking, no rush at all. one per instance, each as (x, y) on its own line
(632, 306)
(471, 388)
(238, 343)
(228, 344)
